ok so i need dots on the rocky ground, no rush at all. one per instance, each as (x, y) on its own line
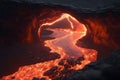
(104, 69)
(84, 6)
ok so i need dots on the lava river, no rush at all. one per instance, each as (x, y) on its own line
(63, 43)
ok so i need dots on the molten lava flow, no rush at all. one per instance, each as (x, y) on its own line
(64, 43)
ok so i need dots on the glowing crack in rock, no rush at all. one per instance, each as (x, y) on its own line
(64, 43)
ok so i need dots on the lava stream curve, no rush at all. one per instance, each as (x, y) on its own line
(64, 44)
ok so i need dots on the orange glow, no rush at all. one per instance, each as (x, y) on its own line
(100, 32)
(64, 43)
(102, 29)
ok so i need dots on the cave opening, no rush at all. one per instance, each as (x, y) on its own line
(99, 36)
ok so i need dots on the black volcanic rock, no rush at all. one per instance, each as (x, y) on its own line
(51, 71)
(35, 78)
(112, 72)
(83, 6)
(104, 69)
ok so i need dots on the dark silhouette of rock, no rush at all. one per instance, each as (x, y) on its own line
(35, 78)
(51, 71)
(104, 69)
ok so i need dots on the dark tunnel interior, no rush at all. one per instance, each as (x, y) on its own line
(20, 44)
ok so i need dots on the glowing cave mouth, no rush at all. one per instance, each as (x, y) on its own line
(65, 39)
(64, 44)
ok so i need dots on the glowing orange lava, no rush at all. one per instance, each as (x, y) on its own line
(64, 43)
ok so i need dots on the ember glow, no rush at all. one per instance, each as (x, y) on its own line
(64, 44)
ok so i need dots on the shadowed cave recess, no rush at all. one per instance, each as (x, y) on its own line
(21, 44)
